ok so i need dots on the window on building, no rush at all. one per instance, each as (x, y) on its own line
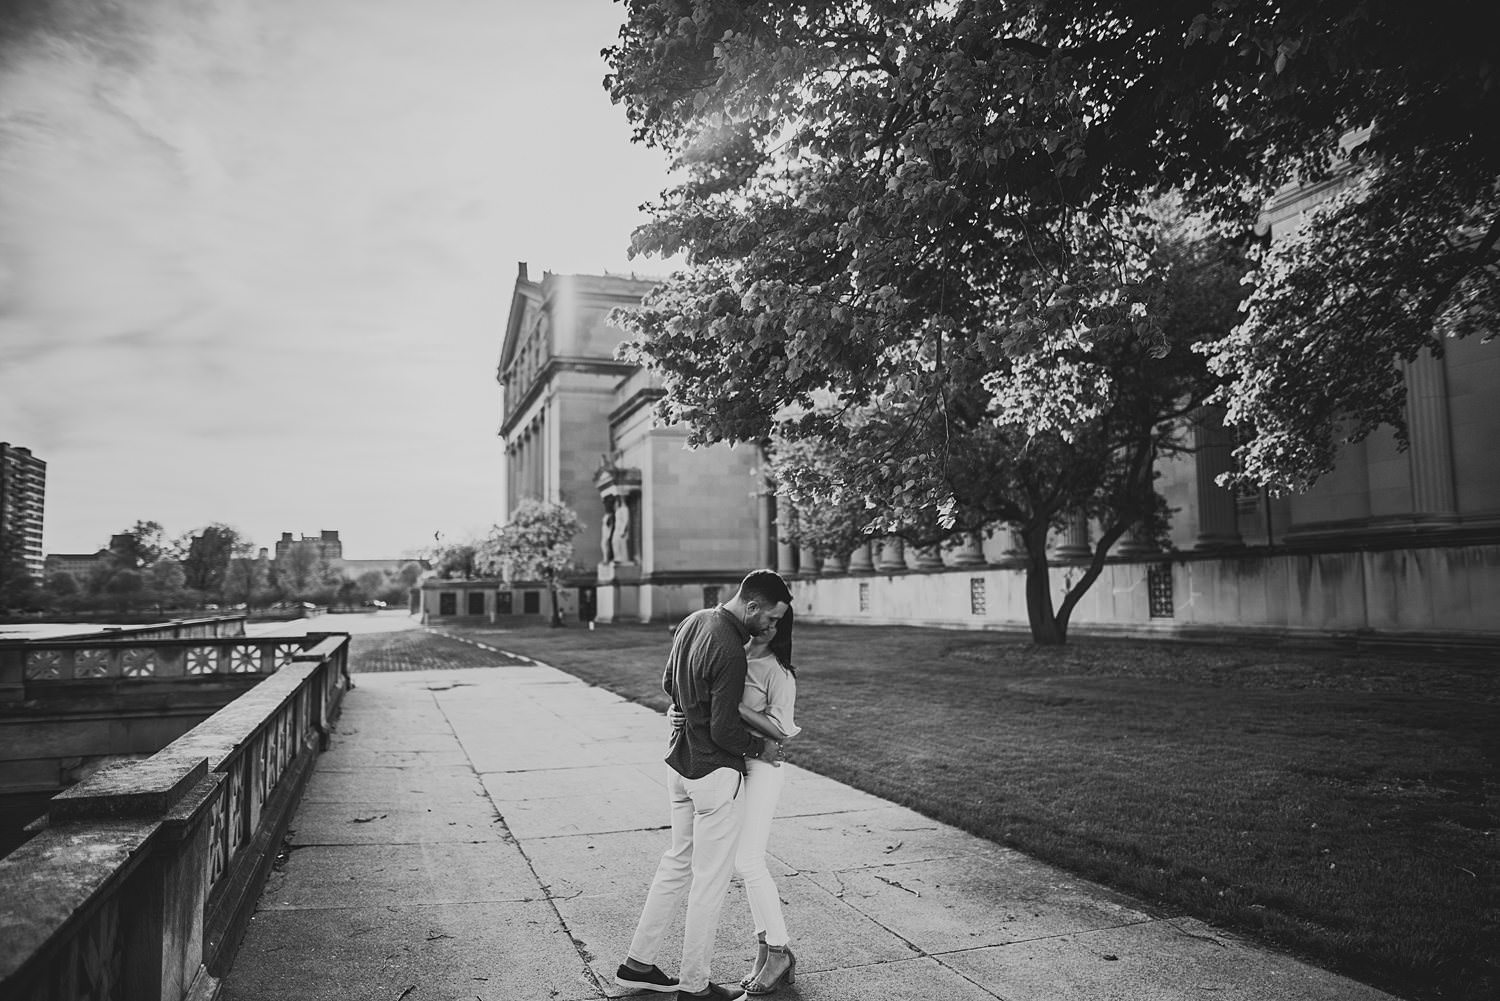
(1159, 587)
(504, 603)
(976, 596)
(476, 602)
(531, 602)
(864, 596)
(447, 602)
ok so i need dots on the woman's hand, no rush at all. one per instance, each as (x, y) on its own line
(676, 717)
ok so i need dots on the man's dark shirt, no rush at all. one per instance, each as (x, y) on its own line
(705, 676)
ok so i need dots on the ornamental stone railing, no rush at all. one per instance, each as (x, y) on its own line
(142, 881)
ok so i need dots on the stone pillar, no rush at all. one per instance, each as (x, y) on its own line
(1073, 543)
(925, 558)
(1433, 494)
(807, 561)
(968, 552)
(892, 555)
(833, 564)
(860, 561)
(764, 526)
(786, 522)
(1016, 544)
(1134, 543)
(1218, 514)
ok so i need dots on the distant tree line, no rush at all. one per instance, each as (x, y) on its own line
(143, 570)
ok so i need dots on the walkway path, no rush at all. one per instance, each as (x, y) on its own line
(490, 832)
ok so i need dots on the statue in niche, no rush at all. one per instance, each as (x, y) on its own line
(622, 549)
(607, 532)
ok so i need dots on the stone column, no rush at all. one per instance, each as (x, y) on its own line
(833, 564)
(1218, 514)
(860, 561)
(786, 522)
(1134, 543)
(925, 558)
(1433, 493)
(807, 561)
(968, 552)
(1073, 544)
(764, 522)
(892, 555)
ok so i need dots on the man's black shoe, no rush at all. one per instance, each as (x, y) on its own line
(714, 993)
(652, 980)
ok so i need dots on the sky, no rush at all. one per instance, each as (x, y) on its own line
(256, 256)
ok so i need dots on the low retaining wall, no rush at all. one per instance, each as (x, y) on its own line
(1449, 594)
(142, 882)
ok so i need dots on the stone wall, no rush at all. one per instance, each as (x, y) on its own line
(1442, 593)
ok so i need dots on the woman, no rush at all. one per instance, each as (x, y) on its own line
(766, 707)
(769, 699)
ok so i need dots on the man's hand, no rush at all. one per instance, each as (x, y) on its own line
(771, 753)
(676, 717)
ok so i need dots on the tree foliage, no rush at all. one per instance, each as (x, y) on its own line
(18, 589)
(207, 562)
(899, 247)
(139, 546)
(859, 178)
(536, 544)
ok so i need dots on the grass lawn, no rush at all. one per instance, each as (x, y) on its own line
(1347, 810)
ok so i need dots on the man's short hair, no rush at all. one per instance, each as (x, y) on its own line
(765, 587)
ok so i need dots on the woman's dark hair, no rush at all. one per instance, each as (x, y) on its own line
(781, 643)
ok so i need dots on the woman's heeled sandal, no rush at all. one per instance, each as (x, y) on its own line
(760, 960)
(757, 986)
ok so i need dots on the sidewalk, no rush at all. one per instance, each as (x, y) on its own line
(491, 832)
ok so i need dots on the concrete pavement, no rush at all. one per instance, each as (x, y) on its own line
(491, 832)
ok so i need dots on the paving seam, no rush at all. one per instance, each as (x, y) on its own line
(918, 951)
(544, 889)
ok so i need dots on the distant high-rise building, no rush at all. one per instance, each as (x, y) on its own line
(23, 491)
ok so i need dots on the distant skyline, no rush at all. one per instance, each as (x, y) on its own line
(256, 255)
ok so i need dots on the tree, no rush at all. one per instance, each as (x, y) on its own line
(297, 569)
(247, 577)
(457, 559)
(853, 168)
(963, 356)
(61, 585)
(997, 438)
(165, 581)
(18, 588)
(140, 545)
(207, 561)
(372, 584)
(536, 544)
(126, 587)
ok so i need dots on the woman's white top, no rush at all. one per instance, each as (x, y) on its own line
(771, 689)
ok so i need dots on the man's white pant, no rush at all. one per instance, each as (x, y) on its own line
(762, 790)
(705, 831)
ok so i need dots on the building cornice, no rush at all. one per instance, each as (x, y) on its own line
(549, 371)
(643, 397)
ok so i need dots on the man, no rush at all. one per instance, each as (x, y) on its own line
(705, 677)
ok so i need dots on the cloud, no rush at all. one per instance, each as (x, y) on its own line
(243, 241)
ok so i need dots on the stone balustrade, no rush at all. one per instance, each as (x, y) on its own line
(142, 881)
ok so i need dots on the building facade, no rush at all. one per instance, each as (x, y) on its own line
(666, 529)
(23, 495)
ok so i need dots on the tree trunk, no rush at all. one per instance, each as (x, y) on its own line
(1046, 630)
(557, 619)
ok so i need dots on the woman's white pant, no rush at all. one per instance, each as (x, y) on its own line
(762, 789)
